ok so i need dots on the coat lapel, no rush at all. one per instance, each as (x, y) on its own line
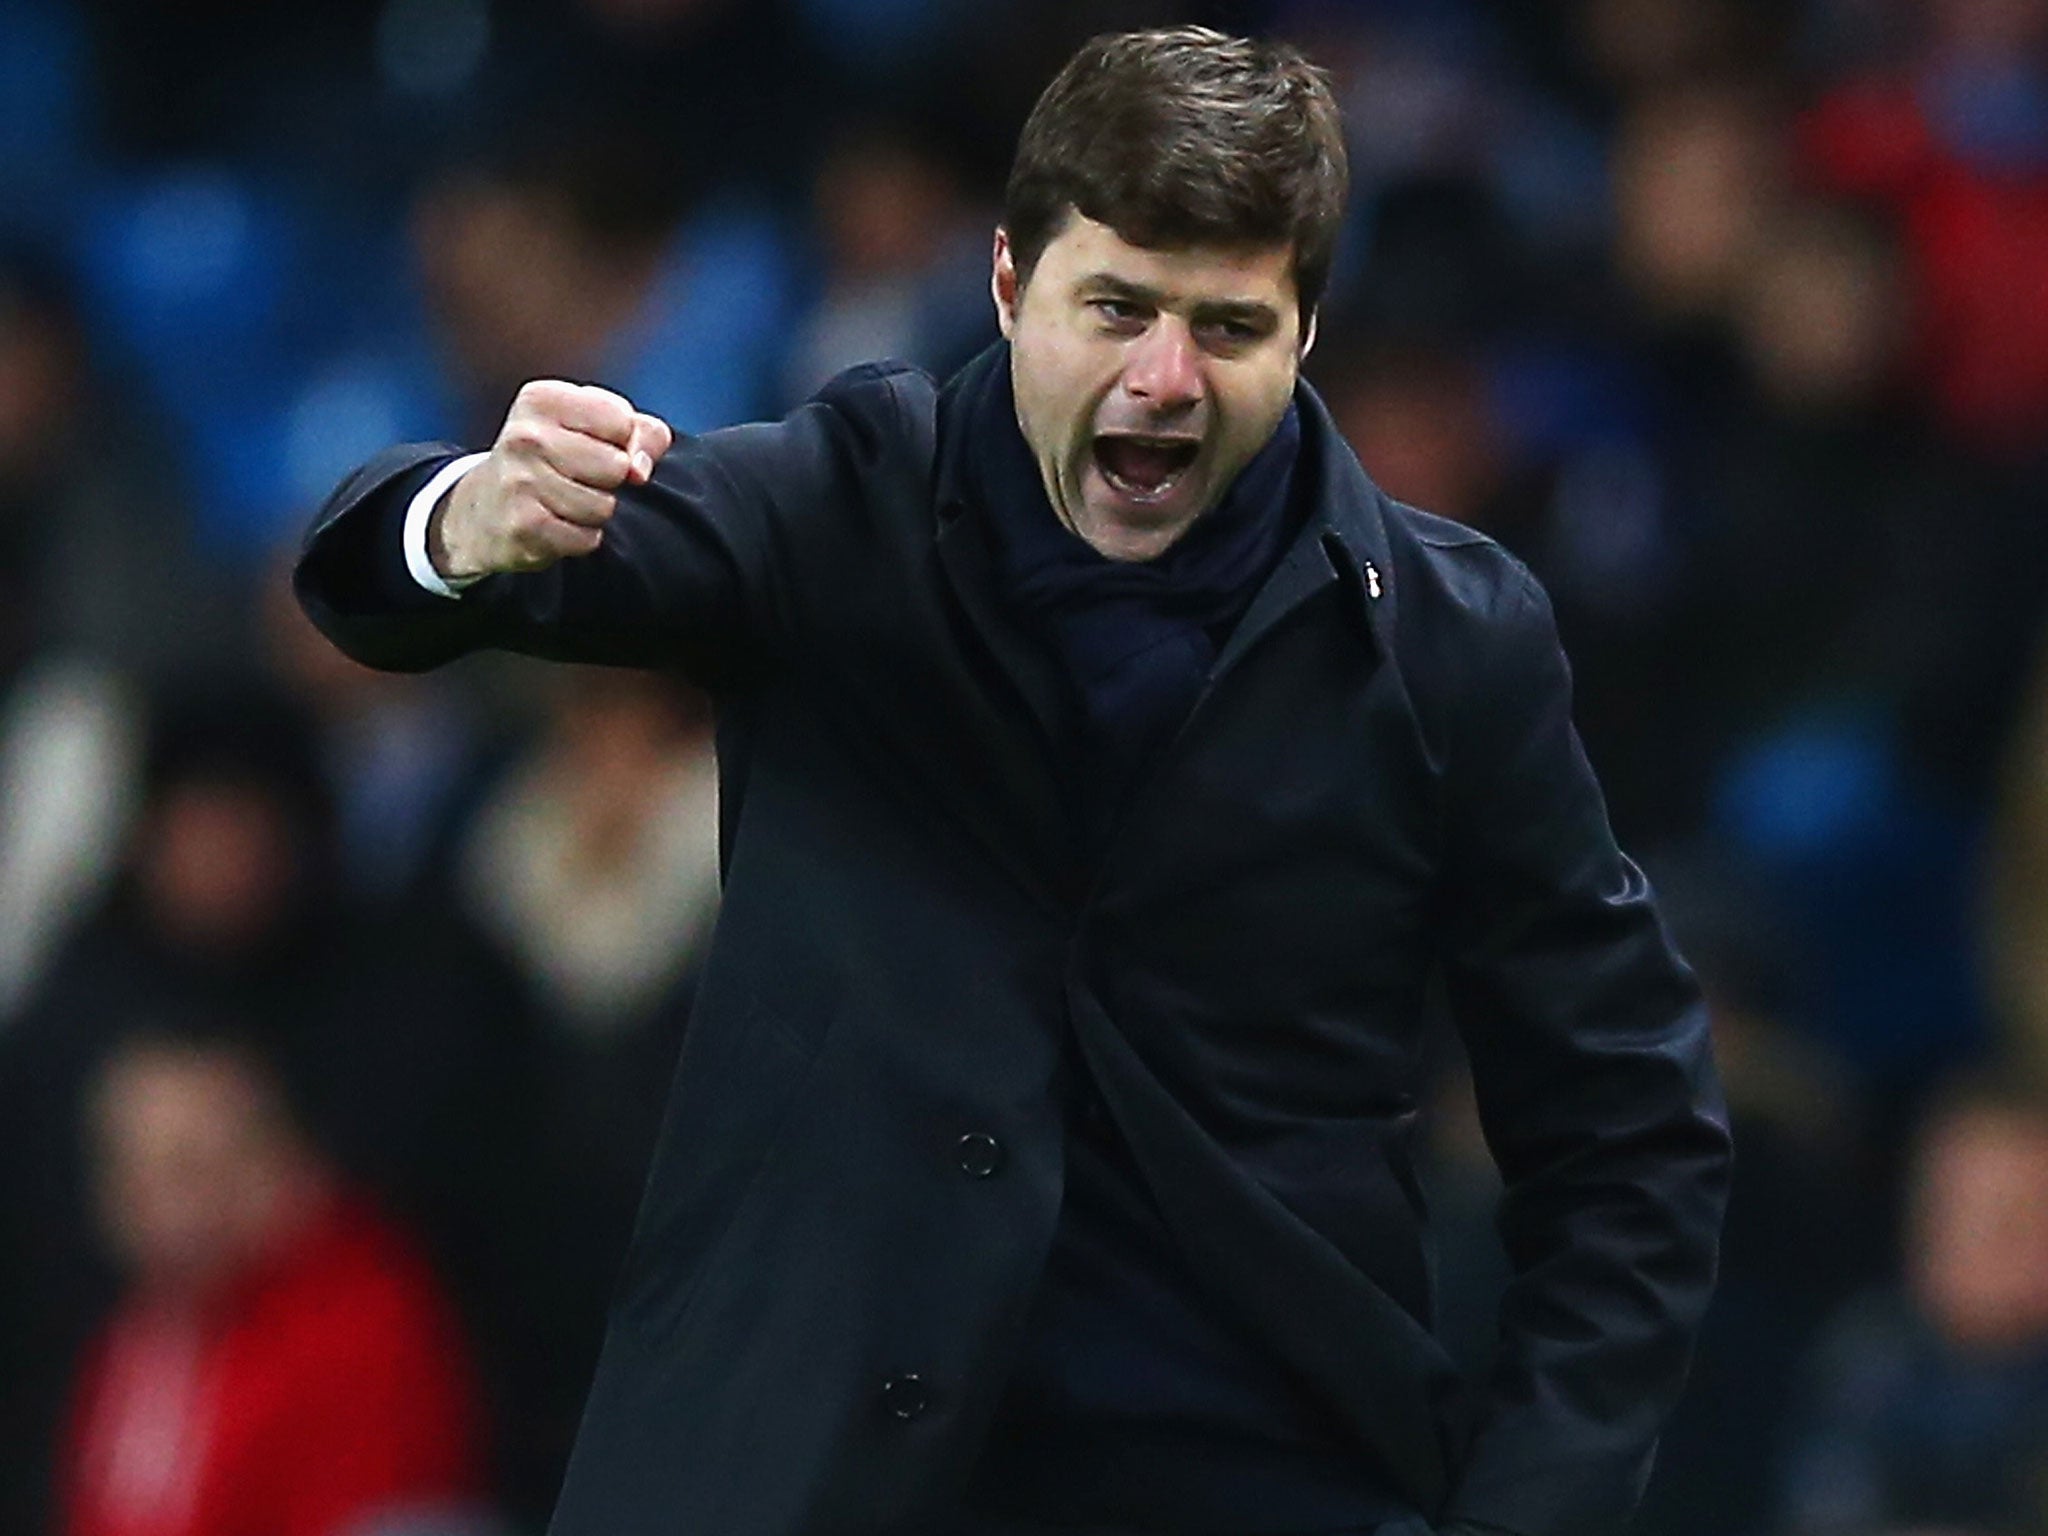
(1019, 724)
(965, 557)
(1302, 572)
(1344, 541)
(1343, 545)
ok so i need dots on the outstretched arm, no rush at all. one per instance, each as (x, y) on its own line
(579, 536)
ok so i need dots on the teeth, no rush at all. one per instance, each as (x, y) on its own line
(1143, 493)
(1180, 452)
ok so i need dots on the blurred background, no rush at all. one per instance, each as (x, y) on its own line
(336, 1009)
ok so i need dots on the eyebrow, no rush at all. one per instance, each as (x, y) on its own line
(1244, 311)
(1121, 288)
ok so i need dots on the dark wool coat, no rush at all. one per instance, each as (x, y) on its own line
(1379, 790)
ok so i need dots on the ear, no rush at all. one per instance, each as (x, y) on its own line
(1308, 333)
(1002, 283)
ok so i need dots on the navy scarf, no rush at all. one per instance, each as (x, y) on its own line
(1134, 639)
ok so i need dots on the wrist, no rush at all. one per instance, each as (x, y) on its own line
(425, 567)
(438, 555)
(447, 549)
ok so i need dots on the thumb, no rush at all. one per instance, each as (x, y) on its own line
(651, 438)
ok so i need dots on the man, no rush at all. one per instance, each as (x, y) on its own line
(1927, 1404)
(1109, 772)
(283, 1359)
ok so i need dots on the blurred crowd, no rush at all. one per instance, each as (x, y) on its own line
(337, 1009)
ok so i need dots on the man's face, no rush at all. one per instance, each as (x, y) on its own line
(195, 1162)
(1146, 379)
(1978, 1260)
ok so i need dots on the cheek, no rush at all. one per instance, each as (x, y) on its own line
(1058, 384)
(1254, 408)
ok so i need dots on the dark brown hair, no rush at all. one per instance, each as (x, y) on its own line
(1184, 136)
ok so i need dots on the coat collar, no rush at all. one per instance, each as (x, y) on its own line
(1343, 542)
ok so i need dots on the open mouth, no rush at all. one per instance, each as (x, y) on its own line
(1144, 468)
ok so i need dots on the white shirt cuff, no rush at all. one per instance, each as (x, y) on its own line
(417, 515)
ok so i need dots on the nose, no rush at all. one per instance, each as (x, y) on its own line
(1163, 367)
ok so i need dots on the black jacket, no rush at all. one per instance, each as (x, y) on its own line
(1379, 787)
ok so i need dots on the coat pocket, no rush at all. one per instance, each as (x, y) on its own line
(1352, 1181)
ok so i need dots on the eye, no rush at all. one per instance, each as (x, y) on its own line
(1233, 333)
(1121, 314)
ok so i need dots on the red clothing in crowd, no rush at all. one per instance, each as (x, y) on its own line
(325, 1390)
(1977, 233)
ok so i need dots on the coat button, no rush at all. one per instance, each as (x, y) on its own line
(905, 1396)
(980, 1154)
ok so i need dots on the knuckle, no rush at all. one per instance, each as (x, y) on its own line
(532, 403)
(520, 494)
(521, 435)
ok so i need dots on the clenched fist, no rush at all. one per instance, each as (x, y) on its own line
(549, 484)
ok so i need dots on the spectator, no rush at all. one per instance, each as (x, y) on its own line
(536, 267)
(96, 553)
(1900, 569)
(1698, 171)
(1419, 419)
(282, 1359)
(566, 253)
(1817, 463)
(595, 868)
(596, 862)
(1930, 1405)
(902, 258)
(1861, 597)
(98, 585)
(410, 1036)
(1955, 145)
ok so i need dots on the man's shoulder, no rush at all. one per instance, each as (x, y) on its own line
(1455, 576)
(882, 396)
(883, 373)
(865, 425)
(1474, 636)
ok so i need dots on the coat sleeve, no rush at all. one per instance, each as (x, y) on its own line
(687, 576)
(1591, 1060)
